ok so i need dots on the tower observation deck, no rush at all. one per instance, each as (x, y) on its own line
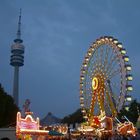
(17, 60)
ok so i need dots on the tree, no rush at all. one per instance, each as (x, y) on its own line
(133, 113)
(76, 117)
(8, 109)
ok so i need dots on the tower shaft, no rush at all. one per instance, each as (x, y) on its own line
(16, 85)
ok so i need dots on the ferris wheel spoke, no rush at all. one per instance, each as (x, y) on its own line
(111, 101)
(114, 73)
(112, 61)
(101, 54)
(106, 57)
(112, 67)
(115, 91)
(115, 85)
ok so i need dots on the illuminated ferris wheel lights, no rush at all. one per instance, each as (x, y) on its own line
(85, 117)
(119, 45)
(128, 98)
(115, 41)
(126, 58)
(129, 87)
(82, 78)
(87, 58)
(83, 71)
(89, 53)
(82, 98)
(129, 77)
(104, 52)
(128, 67)
(85, 64)
(126, 107)
(123, 51)
(83, 111)
(110, 38)
(98, 41)
(102, 39)
(92, 47)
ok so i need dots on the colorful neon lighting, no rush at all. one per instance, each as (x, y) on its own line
(28, 126)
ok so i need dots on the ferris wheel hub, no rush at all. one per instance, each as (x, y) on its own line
(95, 83)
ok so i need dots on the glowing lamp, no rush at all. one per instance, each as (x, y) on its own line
(98, 41)
(81, 98)
(85, 117)
(123, 51)
(126, 108)
(83, 71)
(128, 67)
(82, 77)
(128, 98)
(81, 84)
(81, 91)
(102, 39)
(82, 104)
(83, 111)
(126, 58)
(129, 87)
(91, 48)
(87, 58)
(119, 45)
(110, 38)
(105, 38)
(89, 53)
(129, 77)
(115, 41)
(85, 64)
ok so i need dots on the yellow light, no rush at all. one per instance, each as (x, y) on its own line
(94, 83)
(126, 108)
(110, 38)
(129, 99)
(83, 111)
(82, 78)
(87, 58)
(129, 87)
(98, 41)
(129, 77)
(126, 58)
(89, 53)
(128, 67)
(85, 64)
(115, 41)
(119, 45)
(123, 51)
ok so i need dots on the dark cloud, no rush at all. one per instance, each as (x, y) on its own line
(57, 35)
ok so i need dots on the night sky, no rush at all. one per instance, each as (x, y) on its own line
(56, 35)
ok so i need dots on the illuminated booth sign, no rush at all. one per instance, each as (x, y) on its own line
(28, 126)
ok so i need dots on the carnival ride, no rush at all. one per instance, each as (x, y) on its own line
(105, 83)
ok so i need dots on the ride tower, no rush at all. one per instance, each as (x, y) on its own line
(17, 60)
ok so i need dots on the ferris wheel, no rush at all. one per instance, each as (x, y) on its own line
(105, 79)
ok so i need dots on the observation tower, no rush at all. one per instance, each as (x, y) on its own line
(17, 60)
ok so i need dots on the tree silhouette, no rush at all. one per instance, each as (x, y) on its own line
(8, 109)
(132, 114)
(75, 117)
